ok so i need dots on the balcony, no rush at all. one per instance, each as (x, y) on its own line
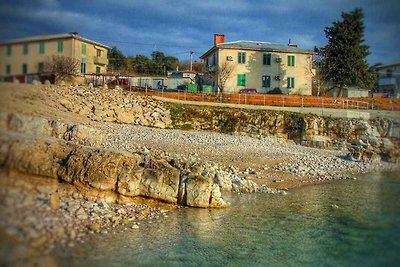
(387, 81)
(100, 60)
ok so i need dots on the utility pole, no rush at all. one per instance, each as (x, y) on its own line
(191, 59)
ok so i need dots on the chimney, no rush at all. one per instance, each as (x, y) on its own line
(219, 39)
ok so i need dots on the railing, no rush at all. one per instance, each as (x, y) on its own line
(281, 100)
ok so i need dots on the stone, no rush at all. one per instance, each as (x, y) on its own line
(55, 202)
(95, 227)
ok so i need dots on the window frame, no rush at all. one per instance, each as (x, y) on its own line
(83, 49)
(241, 80)
(291, 60)
(83, 65)
(266, 78)
(267, 59)
(241, 57)
(42, 48)
(98, 69)
(8, 69)
(24, 68)
(60, 46)
(25, 49)
(290, 82)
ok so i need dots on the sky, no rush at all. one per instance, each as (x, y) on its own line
(177, 27)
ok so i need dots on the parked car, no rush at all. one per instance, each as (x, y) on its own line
(122, 82)
(248, 91)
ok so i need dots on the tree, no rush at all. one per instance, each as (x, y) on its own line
(221, 75)
(342, 61)
(116, 59)
(61, 67)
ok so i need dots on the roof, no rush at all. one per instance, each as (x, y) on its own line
(394, 63)
(37, 38)
(259, 46)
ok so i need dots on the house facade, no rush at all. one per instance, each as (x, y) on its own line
(389, 78)
(261, 65)
(24, 58)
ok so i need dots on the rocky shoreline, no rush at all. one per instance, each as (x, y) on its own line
(101, 167)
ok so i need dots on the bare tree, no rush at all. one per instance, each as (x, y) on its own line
(61, 67)
(221, 75)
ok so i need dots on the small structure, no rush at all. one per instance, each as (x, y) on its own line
(389, 79)
(349, 91)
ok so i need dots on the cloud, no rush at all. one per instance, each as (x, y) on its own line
(179, 26)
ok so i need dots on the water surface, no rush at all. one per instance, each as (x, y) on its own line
(343, 223)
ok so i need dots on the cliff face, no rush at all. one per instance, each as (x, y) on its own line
(70, 153)
(371, 140)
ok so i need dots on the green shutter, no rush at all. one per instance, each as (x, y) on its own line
(291, 61)
(41, 48)
(60, 46)
(8, 69)
(269, 59)
(25, 49)
(83, 49)
(97, 69)
(293, 78)
(24, 68)
(241, 80)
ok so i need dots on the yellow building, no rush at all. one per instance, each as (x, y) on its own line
(24, 58)
(261, 65)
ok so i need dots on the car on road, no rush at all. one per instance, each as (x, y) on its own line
(248, 91)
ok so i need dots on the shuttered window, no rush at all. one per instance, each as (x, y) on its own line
(25, 49)
(8, 69)
(24, 68)
(241, 80)
(242, 57)
(291, 61)
(98, 69)
(267, 59)
(41, 48)
(266, 81)
(83, 49)
(290, 82)
(60, 46)
(83, 65)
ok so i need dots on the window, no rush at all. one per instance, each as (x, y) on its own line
(389, 73)
(241, 80)
(242, 57)
(8, 50)
(41, 48)
(41, 67)
(214, 59)
(290, 82)
(267, 59)
(98, 69)
(25, 49)
(98, 52)
(291, 61)
(24, 68)
(60, 46)
(8, 69)
(266, 81)
(83, 49)
(83, 65)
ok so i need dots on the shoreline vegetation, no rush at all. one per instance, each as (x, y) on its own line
(63, 149)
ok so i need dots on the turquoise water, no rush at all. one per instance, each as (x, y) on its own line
(303, 228)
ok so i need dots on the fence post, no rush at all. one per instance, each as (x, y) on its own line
(357, 104)
(264, 100)
(283, 101)
(245, 99)
(302, 102)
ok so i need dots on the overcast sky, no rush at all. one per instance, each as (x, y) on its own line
(179, 26)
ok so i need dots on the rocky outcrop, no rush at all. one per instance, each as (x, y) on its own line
(113, 106)
(364, 139)
(37, 126)
(106, 170)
